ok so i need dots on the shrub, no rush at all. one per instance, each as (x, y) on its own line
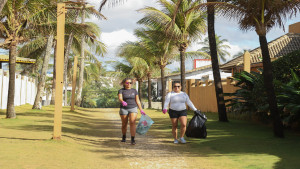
(282, 66)
(251, 98)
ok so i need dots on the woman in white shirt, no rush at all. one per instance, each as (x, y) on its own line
(177, 110)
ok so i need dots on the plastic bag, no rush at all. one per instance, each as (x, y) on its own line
(144, 124)
(196, 127)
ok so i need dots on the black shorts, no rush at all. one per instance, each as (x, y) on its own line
(177, 114)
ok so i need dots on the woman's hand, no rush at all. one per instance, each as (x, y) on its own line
(142, 112)
(164, 111)
(124, 103)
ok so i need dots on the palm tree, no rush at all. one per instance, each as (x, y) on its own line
(162, 49)
(215, 62)
(82, 52)
(19, 19)
(187, 27)
(140, 50)
(262, 15)
(43, 76)
(221, 47)
(136, 65)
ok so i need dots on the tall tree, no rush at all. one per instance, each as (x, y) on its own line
(160, 48)
(221, 47)
(19, 19)
(262, 15)
(42, 80)
(186, 27)
(215, 62)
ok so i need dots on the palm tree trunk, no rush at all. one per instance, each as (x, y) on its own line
(163, 85)
(215, 63)
(268, 82)
(10, 111)
(2, 3)
(67, 52)
(140, 89)
(41, 85)
(149, 91)
(182, 68)
(81, 65)
(52, 102)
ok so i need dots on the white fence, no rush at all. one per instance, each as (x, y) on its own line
(25, 89)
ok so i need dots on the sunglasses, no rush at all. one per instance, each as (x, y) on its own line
(176, 86)
(128, 83)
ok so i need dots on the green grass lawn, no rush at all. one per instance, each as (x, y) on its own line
(91, 140)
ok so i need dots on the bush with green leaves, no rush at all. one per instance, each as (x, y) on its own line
(289, 100)
(283, 65)
(251, 97)
(108, 98)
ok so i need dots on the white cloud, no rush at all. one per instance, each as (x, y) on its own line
(115, 38)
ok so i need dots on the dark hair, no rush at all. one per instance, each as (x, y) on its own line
(175, 82)
(124, 80)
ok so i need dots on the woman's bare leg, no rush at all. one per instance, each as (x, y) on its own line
(174, 127)
(124, 119)
(183, 121)
(132, 119)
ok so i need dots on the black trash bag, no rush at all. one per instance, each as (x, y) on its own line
(196, 127)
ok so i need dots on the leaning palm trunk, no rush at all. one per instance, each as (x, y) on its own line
(163, 85)
(182, 66)
(81, 66)
(149, 90)
(10, 111)
(68, 49)
(215, 63)
(268, 82)
(2, 3)
(41, 85)
(52, 102)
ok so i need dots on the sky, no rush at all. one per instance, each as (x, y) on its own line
(121, 22)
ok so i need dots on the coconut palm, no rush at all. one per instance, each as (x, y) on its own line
(136, 65)
(140, 49)
(221, 47)
(186, 28)
(261, 16)
(19, 19)
(160, 48)
(215, 62)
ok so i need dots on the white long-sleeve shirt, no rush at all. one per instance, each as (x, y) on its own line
(178, 101)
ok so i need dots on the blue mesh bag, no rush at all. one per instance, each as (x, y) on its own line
(144, 124)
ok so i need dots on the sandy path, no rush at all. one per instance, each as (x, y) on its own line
(149, 152)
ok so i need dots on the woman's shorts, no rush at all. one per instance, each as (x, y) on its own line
(177, 114)
(127, 111)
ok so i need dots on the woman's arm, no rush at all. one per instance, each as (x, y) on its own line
(189, 102)
(167, 101)
(120, 97)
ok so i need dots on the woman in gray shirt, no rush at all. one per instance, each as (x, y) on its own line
(129, 100)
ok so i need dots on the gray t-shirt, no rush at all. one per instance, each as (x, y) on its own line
(128, 97)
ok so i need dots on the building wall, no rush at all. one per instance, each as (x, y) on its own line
(25, 89)
(294, 28)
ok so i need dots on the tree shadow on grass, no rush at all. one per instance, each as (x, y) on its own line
(239, 138)
(236, 138)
